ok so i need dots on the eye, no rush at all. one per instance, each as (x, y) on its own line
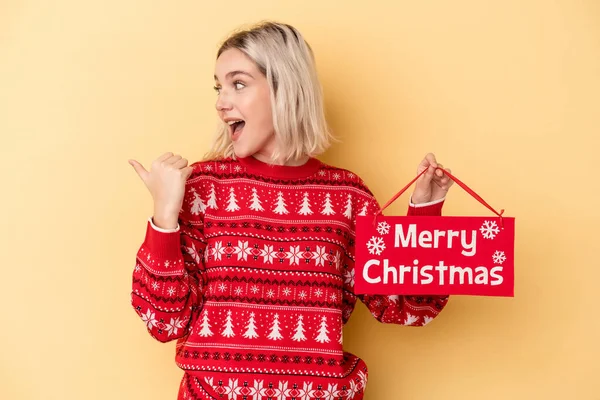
(217, 89)
(239, 85)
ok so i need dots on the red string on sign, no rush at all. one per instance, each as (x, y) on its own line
(458, 182)
(393, 199)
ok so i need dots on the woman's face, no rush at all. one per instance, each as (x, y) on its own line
(244, 104)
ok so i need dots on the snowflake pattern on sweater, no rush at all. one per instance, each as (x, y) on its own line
(257, 282)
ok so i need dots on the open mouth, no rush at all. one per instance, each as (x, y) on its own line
(235, 128)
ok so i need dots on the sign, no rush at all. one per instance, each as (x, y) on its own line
(422, 255)
(433, 255)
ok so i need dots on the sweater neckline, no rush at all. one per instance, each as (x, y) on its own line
(254, 165)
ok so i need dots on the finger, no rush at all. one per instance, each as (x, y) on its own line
(172, 160)
(427, 176)
(430, 157)
(446, 182)
(139, 168)
(423, 165)
(187, 171)
(448, 171)
(164, 156)
(440, 181)
(440, 172)
(179, 164)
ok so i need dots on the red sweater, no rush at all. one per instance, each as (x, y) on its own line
(257, 282)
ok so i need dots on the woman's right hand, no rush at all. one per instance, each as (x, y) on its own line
(166, 183)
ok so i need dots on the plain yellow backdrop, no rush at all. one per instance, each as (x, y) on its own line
(506, 93)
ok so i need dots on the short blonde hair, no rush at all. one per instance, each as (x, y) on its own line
(287, 61)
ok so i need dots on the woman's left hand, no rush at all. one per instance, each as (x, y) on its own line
(432, 185)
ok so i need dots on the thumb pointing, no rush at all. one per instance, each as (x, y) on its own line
(141, 171)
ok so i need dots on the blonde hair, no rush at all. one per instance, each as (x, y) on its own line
(287, 61)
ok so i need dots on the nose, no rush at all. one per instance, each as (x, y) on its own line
(223, 103)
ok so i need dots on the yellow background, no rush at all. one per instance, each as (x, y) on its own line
(506, 93)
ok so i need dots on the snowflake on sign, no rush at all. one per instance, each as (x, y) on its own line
(489, 229)
(499, 257)
(383, 228)
(376, 245)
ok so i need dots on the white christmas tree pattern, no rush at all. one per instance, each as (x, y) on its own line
(348, 210)
(212, 198)
(305, 209)
(376, 245)
(251, 328)
(410, 319)
(198, 205)
(275, 330)
(232, 202)
(228, 330)
(363, 210)
(205, 331)
(499, 257)
(489, 229)
(280, 207)
(322, 336)
(383, 228)
(255, 203)
(394, 298)
(299, 335)
(327, 210)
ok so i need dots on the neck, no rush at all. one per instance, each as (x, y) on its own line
(262, 166)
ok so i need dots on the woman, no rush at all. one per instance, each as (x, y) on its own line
(248, 260)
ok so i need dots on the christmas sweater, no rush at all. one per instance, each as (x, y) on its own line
(257, 282)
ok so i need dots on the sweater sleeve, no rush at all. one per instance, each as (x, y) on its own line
(394, 309)
(168, 278)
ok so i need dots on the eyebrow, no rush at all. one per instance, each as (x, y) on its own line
(234, 73)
